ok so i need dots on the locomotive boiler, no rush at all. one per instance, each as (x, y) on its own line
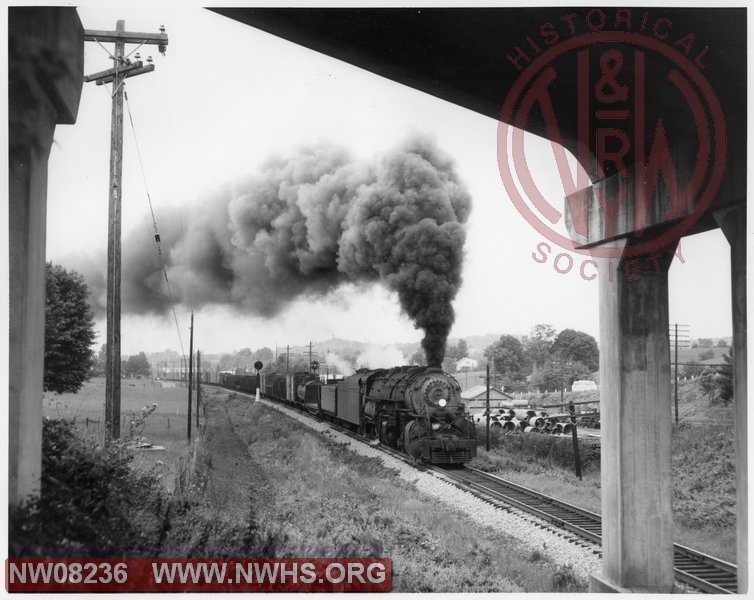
(416, 410)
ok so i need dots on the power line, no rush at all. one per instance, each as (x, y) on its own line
(157, 238)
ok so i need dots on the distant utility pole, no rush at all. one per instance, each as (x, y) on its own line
(122, 69)
(190, 373)
(563, 364)
(487, 411)
(575, 437)
(675, 332)
(310, 355)
(198, 385)
(287, 358)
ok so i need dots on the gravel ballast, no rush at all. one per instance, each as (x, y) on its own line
(535, 534)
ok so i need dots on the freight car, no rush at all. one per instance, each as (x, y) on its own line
(417, 410)
(243, 383)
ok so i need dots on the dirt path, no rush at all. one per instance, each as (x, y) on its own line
(237, 483)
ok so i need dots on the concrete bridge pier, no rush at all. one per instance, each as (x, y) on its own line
(46, 62)
(733, 224)
(637, 524)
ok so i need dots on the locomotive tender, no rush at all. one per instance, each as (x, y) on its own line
(417, 410)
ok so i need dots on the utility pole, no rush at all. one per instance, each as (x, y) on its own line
(675, 387)
(122, 69)
(562, 391)
(576, 455)
(487, 412)
(684, 333)
(198, 385)
(190, 373)
(287, 359)
(310, 355)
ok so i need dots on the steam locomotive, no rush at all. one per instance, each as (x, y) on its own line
(416, 410)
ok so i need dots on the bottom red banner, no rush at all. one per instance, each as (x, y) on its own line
(198, 575)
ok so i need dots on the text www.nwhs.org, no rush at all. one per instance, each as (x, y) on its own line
(270, 573)
(294, 574)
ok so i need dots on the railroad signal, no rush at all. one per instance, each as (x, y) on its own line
(258, 365)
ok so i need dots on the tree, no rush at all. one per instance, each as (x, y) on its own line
(265, 354)
(722, 344)
(137, 365)
(539, 343)
(577, 346)
(418, 357)
(97, 368)
(692, 369)
(705, 342)
(69, 331)
(549, 377)
(717, 382)
(507, 354)
(227, 362)
(459, 351)
(707, 354)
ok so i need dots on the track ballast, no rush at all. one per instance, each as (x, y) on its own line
(696, 569)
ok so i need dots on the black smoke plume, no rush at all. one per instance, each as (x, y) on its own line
(306, 225)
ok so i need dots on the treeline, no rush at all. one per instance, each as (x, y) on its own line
(544, 360)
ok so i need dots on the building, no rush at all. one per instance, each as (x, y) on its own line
(467, 363)
(583, 385)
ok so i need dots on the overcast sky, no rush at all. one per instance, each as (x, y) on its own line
(226, 97)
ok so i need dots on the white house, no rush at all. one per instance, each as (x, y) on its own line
(583, 385)
(467, 363)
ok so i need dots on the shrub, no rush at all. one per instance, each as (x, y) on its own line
(565, 580)
(717, 383)
(91, 502)
(707, 354)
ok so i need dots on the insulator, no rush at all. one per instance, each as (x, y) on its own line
(149, 59)
(157, 237)
(137, 56)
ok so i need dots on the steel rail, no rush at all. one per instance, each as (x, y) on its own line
(701, 571)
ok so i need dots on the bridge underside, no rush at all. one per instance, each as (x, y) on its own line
(474, 58)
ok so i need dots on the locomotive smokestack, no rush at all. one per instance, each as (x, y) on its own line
(307, 225)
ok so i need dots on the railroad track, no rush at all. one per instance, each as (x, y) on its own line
(696, 569)
(700, 571)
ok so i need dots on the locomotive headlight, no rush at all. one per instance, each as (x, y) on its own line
(442, 402)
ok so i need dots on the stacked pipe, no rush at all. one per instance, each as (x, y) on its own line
(527, 420)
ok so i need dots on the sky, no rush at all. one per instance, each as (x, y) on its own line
(226, 97)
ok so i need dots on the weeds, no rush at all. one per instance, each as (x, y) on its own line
(330, 501)
(92, 504)
(565, 580)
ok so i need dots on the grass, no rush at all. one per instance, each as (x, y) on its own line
(166, 426)
(258, 482)
(703, 471)
(324, 500)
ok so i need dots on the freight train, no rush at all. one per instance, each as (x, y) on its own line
(416, 410)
